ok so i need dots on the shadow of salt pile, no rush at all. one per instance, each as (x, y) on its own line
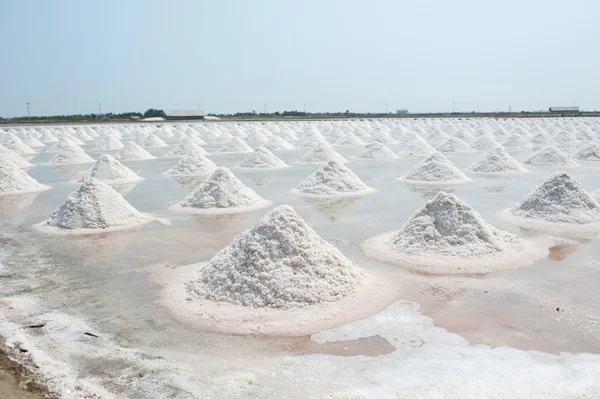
(73, 173)
(11, 203)
(333, 208)
(429, 192)
(190, 182)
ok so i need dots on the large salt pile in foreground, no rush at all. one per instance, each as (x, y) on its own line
(333, 179)
(194, 164)
(319, 154)
(588, 152)
(262, 158)
(71, 154)
(9, 155)
(280, 263)
(93, 207)
(550, 156)
(376, 150)
(496, 161)
(13, 180)
(222, 193)
(133, 152)
(436, 169)
(235, 146)
(448, 236)
(111, 171)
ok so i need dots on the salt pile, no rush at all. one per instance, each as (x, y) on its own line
(383, 137)
(542, 139)
(436, 169)
(349, 139)
(133, 152)
(111, 171)
(496, 161)
(333, 179)
(565, 138)
(376, 150)
(47, 138)
(448, 236)
(235, 146)
(93, 207)
(193, 164)
(319, 154)
(280, 263)
(13, 180)
(262, 158)
(454, 144)
(277, 144)
(588, 152)
(186, 147)
(418, 148)
(71, 154)
(109, 143)
(515, 140)
(152, 141)
(15, 144)
(550, 156)
(222, 193)
(9, 155)
(484, 143)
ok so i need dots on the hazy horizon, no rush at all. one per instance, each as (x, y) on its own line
(236, 56)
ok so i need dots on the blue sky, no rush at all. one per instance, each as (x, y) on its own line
(331, 55)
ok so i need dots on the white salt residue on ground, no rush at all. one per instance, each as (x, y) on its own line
(10, 155)
(222, 193)
(550, 156)
(447, 236)
(559, 204)
(133, 152)
(111, 171)
(193, 164)
(332, 179)
(71, 154)
(376, 150)
(262, 158)
(320, 153)
(496, 161)
(454, 144)
(235, 146)
(589, 152)
(418, 148)
(13, 180)
(436, 169)
(187, 146)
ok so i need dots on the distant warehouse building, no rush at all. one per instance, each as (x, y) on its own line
(174, 115)
(564, 110)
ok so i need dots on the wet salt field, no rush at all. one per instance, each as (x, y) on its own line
(104, 330)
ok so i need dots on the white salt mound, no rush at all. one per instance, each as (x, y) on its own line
(11, 156)
(133, 152)
(109, 142)
(13, 180)
(153, 141)
(418, 148)
(262, 158)
(111, 171)
(321, 153)
(435, 169)
(496, 161)
(277, 144)
(349, 139)
(193, 164)
(71, 154)
(223, 193)
(15, 144)
(235, 146)
(333, 179)
(550, 156)
(376, 150)
(454, 144)
(484, 143)
(187, 146)
(588, 152)
(280, 263)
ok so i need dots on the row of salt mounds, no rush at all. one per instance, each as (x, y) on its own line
(436, 169)
(333, 179)
(222, 193)
(280, 263)
(11, 156)
(235, 146)
(111, 171)
(187, 146)
(560, 203)
(94, 207)
(447, 236)
(496, 161)
(71, 154)
(193, 164)
(376, 150)
(13, 180)
(589, 152)
(133, 152)
(320, 153)
(550, 156)
(262, 158)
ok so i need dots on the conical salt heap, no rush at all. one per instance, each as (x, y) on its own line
(484, 142)
(109, 142)
(193, 164)
(588, 152)
(235, 146)
(94, 205)
(319, 154)
(496, 161)
(16, 145)
(516, 140)
(559, 199)
(454, 144)
(280, 263)
(222, 192)
(376, 150)
(111, 171)
(383, 137)
(133, 152)
(333, 179)
(262, 158)
(9, 155)
(153, 141)
(349, 139)
(71, 154)
(435, 169)
(550, 156)
(48, 138)
(418, 148)
(13, 180)
(185, 147)
(542, 139)
(277, 144)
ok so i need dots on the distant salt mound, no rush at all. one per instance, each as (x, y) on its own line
(454, 145)
(550, 156)
(483, 143)
(376, 150)
(349, 140)
(59, 145)
(11, 156)
(108, 143)
(321, 153)
(436, 169)
(48, 138)
(418, 148)
(16, 145)
(93, 207)
(496, 161)
(542, 139)
(383, 137)
(222, 193)
(565, 138)
(436, 137)
(13, 180)
(186, 147)
(235, 146)
(262, 158)
(32, 141)
(193, 164)
(515, 140)
(279, 263)
(559, 202)
(590, 152)
(278, 144)
(71, 154)
(152, 141)
(447, 236)
(111, 171)
(133, 152)
(333, 179)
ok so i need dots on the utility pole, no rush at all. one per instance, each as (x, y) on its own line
(198, 106)
(573, 105)
(386, 108)
(265, 108)
(477, 106)
(28, 117)
(304, 108)
(75, 101)
(100, 108)
(453, 107)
